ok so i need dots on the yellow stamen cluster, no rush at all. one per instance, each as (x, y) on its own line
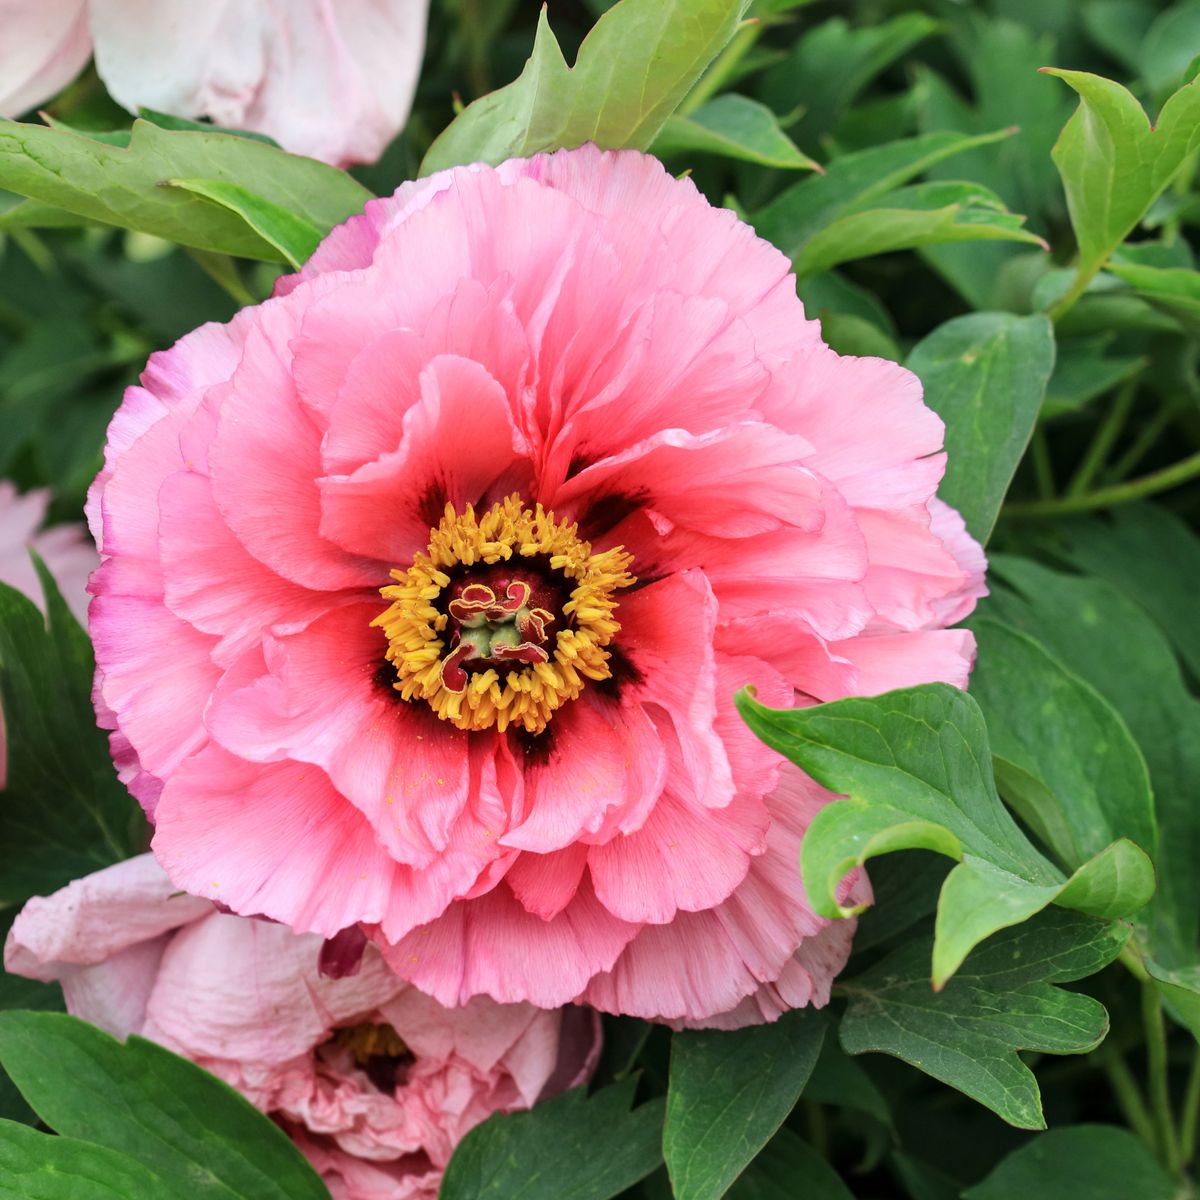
(524, 696)
(370, 1041)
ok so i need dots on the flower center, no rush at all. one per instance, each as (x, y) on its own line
(504, 618)
(379, 1051)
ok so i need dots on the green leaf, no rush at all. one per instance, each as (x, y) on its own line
(632, 70)
(928, 214)
(57, 759)
(121, 185)
(40, 1166)
(1118, 27)
(1104, 637)
(916, 767)
(293, 236)
(831, 65)
(729, 1093)
(1065, 759)
(570, 1148)
(735, 127)
(841, 1081)
(848, 333)
(18, 992)
(31, 214)
(1113, 164)
(999, 58)
(789, 1167)
(1180, 988)
(1170, 46)
(1152, 556)
(1173, 290)
(1096, 1162)
(854, 183)
(985, 375)
(977, 899)
(1083, 370)
(145, 1102)
(968, 1035)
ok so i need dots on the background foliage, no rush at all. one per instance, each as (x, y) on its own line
(1033, 956)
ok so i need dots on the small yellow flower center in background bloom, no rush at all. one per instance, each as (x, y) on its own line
(504, 619)
(369, 1041)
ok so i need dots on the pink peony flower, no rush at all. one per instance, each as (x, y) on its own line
(375, 1082)
(65, 549)
(331, 80)
(574, 424)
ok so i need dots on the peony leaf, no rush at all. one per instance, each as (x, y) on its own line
(985, 375)
(930, 214)
(1147, 552)
(57, 758)
(570, 1148)
(632, 70)
(1065, 759)
(735, 127)
(293, 236)
(43, 1166)
(789, 1167)
(1101, 1162)
(121, 185)
(139, 1100)
(1083, 370)
(1173, 290)
(854, 183)
(1102, 635)
(1114, 164)
(916, 767)
(832, 64)
(729, 1093)
(968, 1035)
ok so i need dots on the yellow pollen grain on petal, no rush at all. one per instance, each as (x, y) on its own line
(521, 694)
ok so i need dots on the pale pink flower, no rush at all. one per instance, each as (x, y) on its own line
(374, 1081)
(65, 549)
(43, 46)
(560, 801)
(333, 79)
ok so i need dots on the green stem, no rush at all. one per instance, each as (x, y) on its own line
(1104, 439)
(1064, 304)
(1126, 1092)
(1189, 1118)
(1179, 473)
(1043, 467)
(1159, 1084)
(222, 270)
(1150, 433)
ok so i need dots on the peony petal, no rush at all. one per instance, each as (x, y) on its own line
(684, 857)
(331, 81)
(492, 946)
(277, 839)
(385, 509)
(46, 44)
(274, 510)
(247, 990)
(96, 917)
(599, 762)
(327, 699)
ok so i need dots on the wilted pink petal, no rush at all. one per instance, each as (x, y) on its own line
(376, 1082)
(575, 424)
